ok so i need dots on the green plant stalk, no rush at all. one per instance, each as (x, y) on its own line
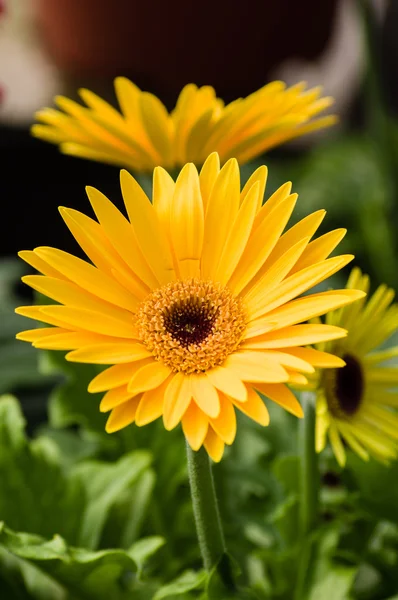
(207, 515)
(309, 471)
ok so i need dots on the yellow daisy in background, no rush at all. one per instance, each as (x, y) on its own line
(356, 404)
(192, 300)
(144, 135)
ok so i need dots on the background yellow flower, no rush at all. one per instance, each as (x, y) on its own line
(144, 135)
(357, 404)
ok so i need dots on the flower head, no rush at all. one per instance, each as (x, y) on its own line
(144, 135)
(192, 300)
(356, 404)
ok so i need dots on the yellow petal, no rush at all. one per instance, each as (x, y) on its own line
(254, 407)
(376, 442)
(163, 192)
(37, 263)
(281, 394)
(198, 135)
(221, 212)
(187, 221)
(92, 239)
(108, 354)
(148, 377)
(214, 445)
(298, 283)
(303, 229)
(290, 361)
(349, 437)
(113, 377)
(320, 249)
(205, 395)
(337, 444)
(151, 405)
(39, 333)
(273, 201)
(321, 429)
(72, 295)
(317, 358)
(297, 379)
(111, 156)
(256, 289)
(114, 398)
(255, 366)
(121, 235)
(208, 176)
(78, 318)
(382, 375)
(225, 424)
(228, 382)
(36, 312)
(260, 176)
(157, 123)
(123, 415)
(308, 307)
(151, 238)
(71, 340)
(88, 277)
(261, 243)
(296, 335)
(195, 425)
(238, 236)
(176, 400)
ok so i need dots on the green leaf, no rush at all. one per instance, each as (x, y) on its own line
(336, 584)
(139, 503)
(82, 573)
(188, 581)
(36, 494)
(142, 550)
(329, 578)
(104, 483)
(73, 447)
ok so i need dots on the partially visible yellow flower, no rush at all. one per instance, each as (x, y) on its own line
(356, 405)
(192, 300)
(144, 135)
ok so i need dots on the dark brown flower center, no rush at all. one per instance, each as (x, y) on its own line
(345, 388)
(191, 325)
(190, 321)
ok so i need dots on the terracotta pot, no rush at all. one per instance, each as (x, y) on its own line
(164, 45)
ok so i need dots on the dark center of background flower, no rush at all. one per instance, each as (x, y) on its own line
(345, 393)
(190, 322)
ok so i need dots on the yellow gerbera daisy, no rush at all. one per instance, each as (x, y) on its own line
(192, 300)
(144, 135)
(356, 404)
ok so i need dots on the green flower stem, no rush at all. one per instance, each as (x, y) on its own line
(309, 472)
(207, 516)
